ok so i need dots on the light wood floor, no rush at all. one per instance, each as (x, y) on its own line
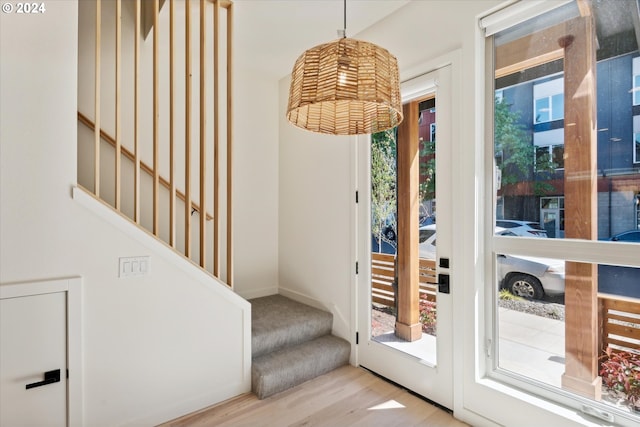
(348, 396)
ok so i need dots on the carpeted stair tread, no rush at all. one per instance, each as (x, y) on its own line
(288, 367)
(278, 322)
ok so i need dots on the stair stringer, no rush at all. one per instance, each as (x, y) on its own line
(160, 252)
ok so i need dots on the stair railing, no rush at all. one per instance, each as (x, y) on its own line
(118, 160)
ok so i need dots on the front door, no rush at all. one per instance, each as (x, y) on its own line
(550, 222)
(405, 323)
(33, 360)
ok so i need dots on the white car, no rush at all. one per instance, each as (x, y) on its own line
(523, 276)
(522, 228)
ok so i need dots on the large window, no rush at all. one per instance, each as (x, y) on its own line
(636, 81)
(548, 101)
(549, 108)
(549, 157)
(555, 335)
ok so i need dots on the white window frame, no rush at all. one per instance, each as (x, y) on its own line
(492, 390)
(635, 81)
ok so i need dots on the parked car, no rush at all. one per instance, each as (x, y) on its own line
(529, 277)
(522, 228)
(627, 236)
(389, 230)
(619, 280)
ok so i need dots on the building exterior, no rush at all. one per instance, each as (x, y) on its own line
(536, 97)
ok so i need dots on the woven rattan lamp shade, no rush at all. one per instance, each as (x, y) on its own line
(346, 87)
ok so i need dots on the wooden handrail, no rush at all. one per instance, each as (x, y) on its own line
(130, 156)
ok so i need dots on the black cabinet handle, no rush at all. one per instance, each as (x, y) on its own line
(49, 378)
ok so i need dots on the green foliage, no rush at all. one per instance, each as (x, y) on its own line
(513, 143)
(508, 296)
(427, 188)
(383, 182)
(513, 146)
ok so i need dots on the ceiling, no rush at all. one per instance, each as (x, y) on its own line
(271, 34)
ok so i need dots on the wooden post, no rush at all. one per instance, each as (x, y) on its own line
(408, 326)
(580, 183)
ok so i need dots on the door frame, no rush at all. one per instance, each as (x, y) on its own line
(72, 286)
(420, 83)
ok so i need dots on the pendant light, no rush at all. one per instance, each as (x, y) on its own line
(345, 87)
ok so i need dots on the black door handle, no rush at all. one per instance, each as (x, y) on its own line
(50, 377)
(443, 284)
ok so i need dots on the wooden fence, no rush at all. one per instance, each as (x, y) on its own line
(619, 323)
(383, 275)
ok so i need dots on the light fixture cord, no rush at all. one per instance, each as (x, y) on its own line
(344, 31)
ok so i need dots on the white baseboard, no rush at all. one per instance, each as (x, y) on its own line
(257, 293)
(305, 299)
(171, 412)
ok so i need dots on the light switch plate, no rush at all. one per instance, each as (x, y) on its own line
(133, 266)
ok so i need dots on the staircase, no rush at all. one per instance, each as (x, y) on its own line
(156, 137)
(291, 343)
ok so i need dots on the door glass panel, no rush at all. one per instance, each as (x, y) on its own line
(564, 150)
(384, 226)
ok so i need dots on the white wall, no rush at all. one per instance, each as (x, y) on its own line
(256, 192)
(317, 197)
(157, 346)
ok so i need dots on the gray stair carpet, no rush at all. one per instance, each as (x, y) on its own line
(291, 343)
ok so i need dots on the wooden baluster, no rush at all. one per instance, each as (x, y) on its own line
(216, 139)
(203, 135)
(96, 155)
(229, 146)
(172, 182)
(118, 101)
(156, 163)
(187, 127)
(136, 114)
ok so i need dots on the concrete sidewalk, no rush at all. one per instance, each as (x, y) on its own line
(531, 345)
(528, 345)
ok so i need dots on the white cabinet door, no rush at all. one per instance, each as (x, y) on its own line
(33, 340)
